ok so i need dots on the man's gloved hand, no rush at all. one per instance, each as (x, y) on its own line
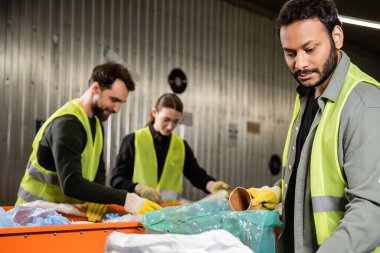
(95, 212)
(136, 205)
(267, 196)
(214, 186)
(149, 193)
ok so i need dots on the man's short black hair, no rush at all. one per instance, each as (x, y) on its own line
(296, 10)
(106, 74)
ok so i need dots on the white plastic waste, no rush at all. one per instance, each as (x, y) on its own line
(218, 241)
(217, 195)
(126, 218)
(61, 207)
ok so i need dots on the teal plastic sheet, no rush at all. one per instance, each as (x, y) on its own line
(254, 228)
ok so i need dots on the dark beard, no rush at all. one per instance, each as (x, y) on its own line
(328, 68)
(98, 112)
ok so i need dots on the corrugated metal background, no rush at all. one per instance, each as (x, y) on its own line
(231, 56)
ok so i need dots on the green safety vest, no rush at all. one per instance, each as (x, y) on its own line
(326, 180)
(39, 183)
(145, 165)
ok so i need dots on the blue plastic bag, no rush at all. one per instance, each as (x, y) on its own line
(109, 216)
(5, 220)
(28, 216)
(254, 228)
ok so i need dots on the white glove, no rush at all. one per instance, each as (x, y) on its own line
(136, 205)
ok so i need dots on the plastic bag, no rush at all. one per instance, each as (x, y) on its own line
(215, 241)
(27, 216)
(59, 207)
(254, 228)
(5, 220)
(112, 217)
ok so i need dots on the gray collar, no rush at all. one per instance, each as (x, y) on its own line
(336, 82)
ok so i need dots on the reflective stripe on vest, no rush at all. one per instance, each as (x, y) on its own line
(145, 164)
(40, 183)
(326, 179)
(328, 204)
(37, 173)
(26, 195)
(30, 185)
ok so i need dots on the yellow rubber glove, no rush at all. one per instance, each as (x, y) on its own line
(95, 212)
(267, 196)
(136, 205)
(215, 186)
(149, 193)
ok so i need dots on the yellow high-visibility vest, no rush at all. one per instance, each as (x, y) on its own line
(145, 164)
(326, 180)
(39, 183)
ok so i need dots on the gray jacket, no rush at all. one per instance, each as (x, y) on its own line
(359, 159)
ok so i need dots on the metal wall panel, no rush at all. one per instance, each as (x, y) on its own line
(4, 103)
(231, 56)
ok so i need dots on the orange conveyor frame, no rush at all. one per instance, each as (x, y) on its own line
(71, 238)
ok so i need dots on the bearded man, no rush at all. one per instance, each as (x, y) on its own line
(331, 173)
(66, 164)
(331, 164)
